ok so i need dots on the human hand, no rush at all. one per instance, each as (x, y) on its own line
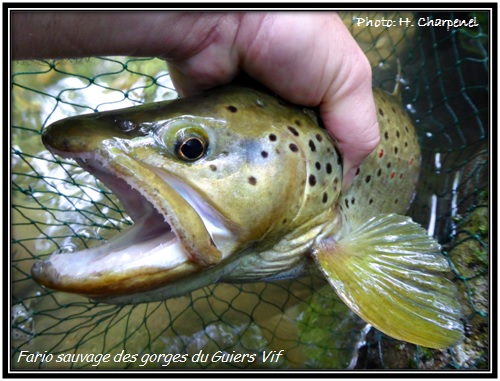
(308, 58)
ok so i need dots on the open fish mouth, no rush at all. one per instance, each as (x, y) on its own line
(172, 235)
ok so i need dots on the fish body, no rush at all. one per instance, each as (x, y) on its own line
(237, 185)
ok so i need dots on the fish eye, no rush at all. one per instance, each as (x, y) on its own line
(191, 148)
(183, 138)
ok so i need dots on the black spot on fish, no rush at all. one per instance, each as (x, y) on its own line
(396, 201)
(284, 221)
(367, 179)
(406, 128)
(393, 110)
(272, 137)
(347, 203)
(319, 138)
(231, 108)
(213, 167)
(379, 172)
(312, 145)
(293, 147)
(370, 201)
(336, 180)
(386, 135)
(293, 131)
(353, 200)
(397, 134)
(252, 180)
(312, 180)
(396, 149)
(357, 171)
(264, 154)
(388, 165)
(381, 112)
(406, 144)
(328, 168)
(325, 198)
(297, 123)
(318, 165)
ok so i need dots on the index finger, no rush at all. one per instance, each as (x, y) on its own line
(353, 122)
(348, 112)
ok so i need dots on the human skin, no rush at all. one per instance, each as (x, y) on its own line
(307, 58)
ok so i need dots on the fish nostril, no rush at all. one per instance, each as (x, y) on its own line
(125, 125)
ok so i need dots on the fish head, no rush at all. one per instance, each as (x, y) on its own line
(203, 178)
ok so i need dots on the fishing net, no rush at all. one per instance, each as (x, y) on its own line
(57, 207)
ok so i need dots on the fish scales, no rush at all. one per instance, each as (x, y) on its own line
(387, 179)
(237, 185)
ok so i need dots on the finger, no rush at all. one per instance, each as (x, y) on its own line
(188, 81)
(349, 114)
(353, 122)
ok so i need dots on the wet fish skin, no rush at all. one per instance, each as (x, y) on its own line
(237, 185)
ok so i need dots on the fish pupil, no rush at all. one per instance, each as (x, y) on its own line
(191, 149)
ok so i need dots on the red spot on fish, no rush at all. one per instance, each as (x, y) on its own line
(392, 175)
(401, 176)
(411, 161)
(381, 153)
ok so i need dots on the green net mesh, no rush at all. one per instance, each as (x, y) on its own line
(297, 323)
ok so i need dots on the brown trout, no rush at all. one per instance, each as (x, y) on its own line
(236, 185)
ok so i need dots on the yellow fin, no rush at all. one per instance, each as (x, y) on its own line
(391, 274)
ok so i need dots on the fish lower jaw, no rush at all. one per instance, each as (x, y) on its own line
(123, 264)
(116, 256)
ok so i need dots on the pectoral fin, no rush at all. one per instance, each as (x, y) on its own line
(390, 273)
